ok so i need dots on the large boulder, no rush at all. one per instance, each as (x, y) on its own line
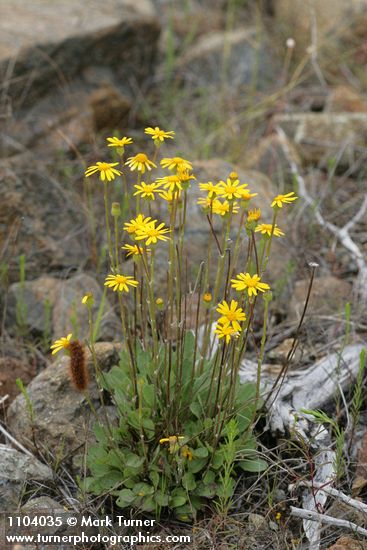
(39, 217)
(53, 54)
(320, 137)
(62, 416)
(16, 469)
(234, 58)
(52, 307)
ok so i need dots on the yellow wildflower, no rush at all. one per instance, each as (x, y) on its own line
(151, 233)
(206, 203)
(176, 163)
(266, 228)
(133, 250)
(137, 223)
(173, 182)
(232, 189)
(253, 215)
(252, 284)
(231, 314)
(170, 196)
(279, 200)
(117, 142)
(223, 208)
(159, 302)
(186, 453)
(87, 299)
(62, 343)
(158, 134)
(226, 331)
(207, 297)
(211, 189)
(246, 195)
(120, 282)
(147, 190)
(173, 441)
(140, 162)
(185, 176)
(106, 170)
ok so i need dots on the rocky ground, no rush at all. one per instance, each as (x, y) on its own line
(274, 89)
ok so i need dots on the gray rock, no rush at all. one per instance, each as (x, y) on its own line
(16, 469)
(62, 416)
(328, 297)
(39, 218)
(322, 136)
(53, 306)
(235, 58)
(44, 45)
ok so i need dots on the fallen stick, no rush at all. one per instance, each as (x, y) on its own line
(357, 504)
(328, 520)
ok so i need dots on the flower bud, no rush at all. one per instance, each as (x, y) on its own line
(116, 210)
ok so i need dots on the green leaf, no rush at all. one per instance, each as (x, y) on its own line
(253, 465)
(148, 504)
(148, 426)
(125, 498)
(100, 433)
(161, 498)
(200, 452)
(176, 501)
(154, 478)
(196, 409)
(209, 477)
(143, 489)
(149, 395)
(206, 490)
(196, 465)
(134, 461)
(245, 393)
(188, 481)
(217, 460)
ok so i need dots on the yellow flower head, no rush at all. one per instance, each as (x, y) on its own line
(226, 331)
(223, 208)
(120, 282)
(140, 162)
(186, 453)
(137, 223)
(266, 229)
(176, 163)
(279, 200)
(88, 299)
(147, 190)
(231, 314)
(206, 203)
(211, 189)
(185, 177)
(62, 343)
(207, 297)
(172, 183)
(159, 302)
(158, 134)
(173, 441)
(117, 142)
(246, 195)
(253, 215)
(151, 233)
(252, 284)
(169, 196)
(106, 170)
(133, 250)
(231, 189)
